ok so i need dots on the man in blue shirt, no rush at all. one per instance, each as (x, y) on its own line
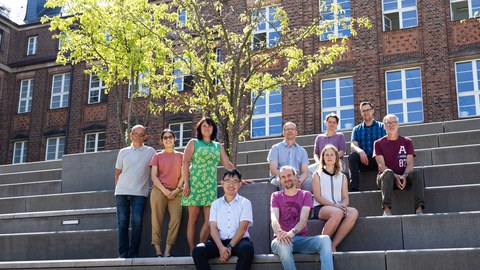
(363, 137)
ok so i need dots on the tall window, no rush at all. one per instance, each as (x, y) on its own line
(404, 94)
(32, 45)
(267, 115)
(181, 80)
(267, 32)
(20, 150)
(25, 98)
(337, 97)
(337, 29)
(143, 90)
(94, 142)
(1, 39)
(467, 75)
(399, 14)
(182, 18)
(55, 148)
(183, 132)
(464, 9)
(96, 92)
(60, 91)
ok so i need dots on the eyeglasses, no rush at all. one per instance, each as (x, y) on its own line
(139, 134)
(167, 138)
(231, 182)
(366, 110)
(391, 124)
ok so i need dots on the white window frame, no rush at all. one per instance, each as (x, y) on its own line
(64, 93)
(338, 107)
(400, 10)
(182, 18)
(178, 77)
(143, 91)
(476, 88)
(404, 101)
(59, 147)
(471, 10)
(99, 90)
(269, 28)
(99, 143)
(25, 96)
(180, 137)
(22, 147)
(32, 45)
(337, 24)
(267, 115)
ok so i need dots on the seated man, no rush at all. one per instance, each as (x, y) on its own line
(230, 217)
(289, 211)
(394, 155)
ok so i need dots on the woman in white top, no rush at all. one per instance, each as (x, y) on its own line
(330, 190)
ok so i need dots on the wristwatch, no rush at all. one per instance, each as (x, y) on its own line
(229, 246)
(295, 231)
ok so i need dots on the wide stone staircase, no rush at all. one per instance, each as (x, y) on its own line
(61, 214)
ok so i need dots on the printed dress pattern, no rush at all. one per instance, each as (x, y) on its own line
(203, 174)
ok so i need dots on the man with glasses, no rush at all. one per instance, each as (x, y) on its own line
(131, 190)
(394, 155)
(230, 217)
(363, 137)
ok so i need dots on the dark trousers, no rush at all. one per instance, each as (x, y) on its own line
(208, 250)
(129, 208)
(356, 166)
(386, 182)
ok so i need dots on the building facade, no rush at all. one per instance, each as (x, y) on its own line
(420, 60)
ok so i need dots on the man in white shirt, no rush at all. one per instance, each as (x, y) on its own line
(230, 217)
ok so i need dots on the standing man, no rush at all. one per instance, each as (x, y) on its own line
(394, 155)
(131, 190)
(290, 153)
(363, 137)
(289, 211)
(230, 217)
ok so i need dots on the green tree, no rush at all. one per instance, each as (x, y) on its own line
(228, 89)
(104, 35)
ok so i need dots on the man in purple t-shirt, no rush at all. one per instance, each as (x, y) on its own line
(289, 211)
(394, 155)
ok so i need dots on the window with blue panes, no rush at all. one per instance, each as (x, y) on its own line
(399, 14)
(267, 32)
(267, 115)
(467, 76)
(464, 9)
(338, 28)
(337, 97)
(182, 18)
(404, 94)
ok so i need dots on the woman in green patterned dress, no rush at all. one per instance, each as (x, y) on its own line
(200, 160)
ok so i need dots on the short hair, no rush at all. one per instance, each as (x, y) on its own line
(338, 164)
(138, 126)
(389, 116)
(287, 167)
(210, 122)
(167, 130)
(233, 172)
(363, 103)
(333, 115)
(289, 123)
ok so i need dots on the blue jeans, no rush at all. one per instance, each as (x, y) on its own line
(300, 244)
(126, 205)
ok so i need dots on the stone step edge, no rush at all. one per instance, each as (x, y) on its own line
(258, 259)
(31, 183)
(30, 172)
(56, 194)
(59, 213)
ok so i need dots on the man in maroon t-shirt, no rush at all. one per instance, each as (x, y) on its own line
(394, 155)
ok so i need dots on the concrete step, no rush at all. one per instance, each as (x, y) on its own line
(437, 200)
(462, 124)
(52, 202)
(459, 138)
(31, 166)
(31, 188)
(30, 176)
(448, 174)
(63, 220)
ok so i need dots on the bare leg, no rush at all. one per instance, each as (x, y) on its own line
(193, 212)
(168, 247)
(345, 227)
(205, 231)
(158, 250)
(333, 216)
